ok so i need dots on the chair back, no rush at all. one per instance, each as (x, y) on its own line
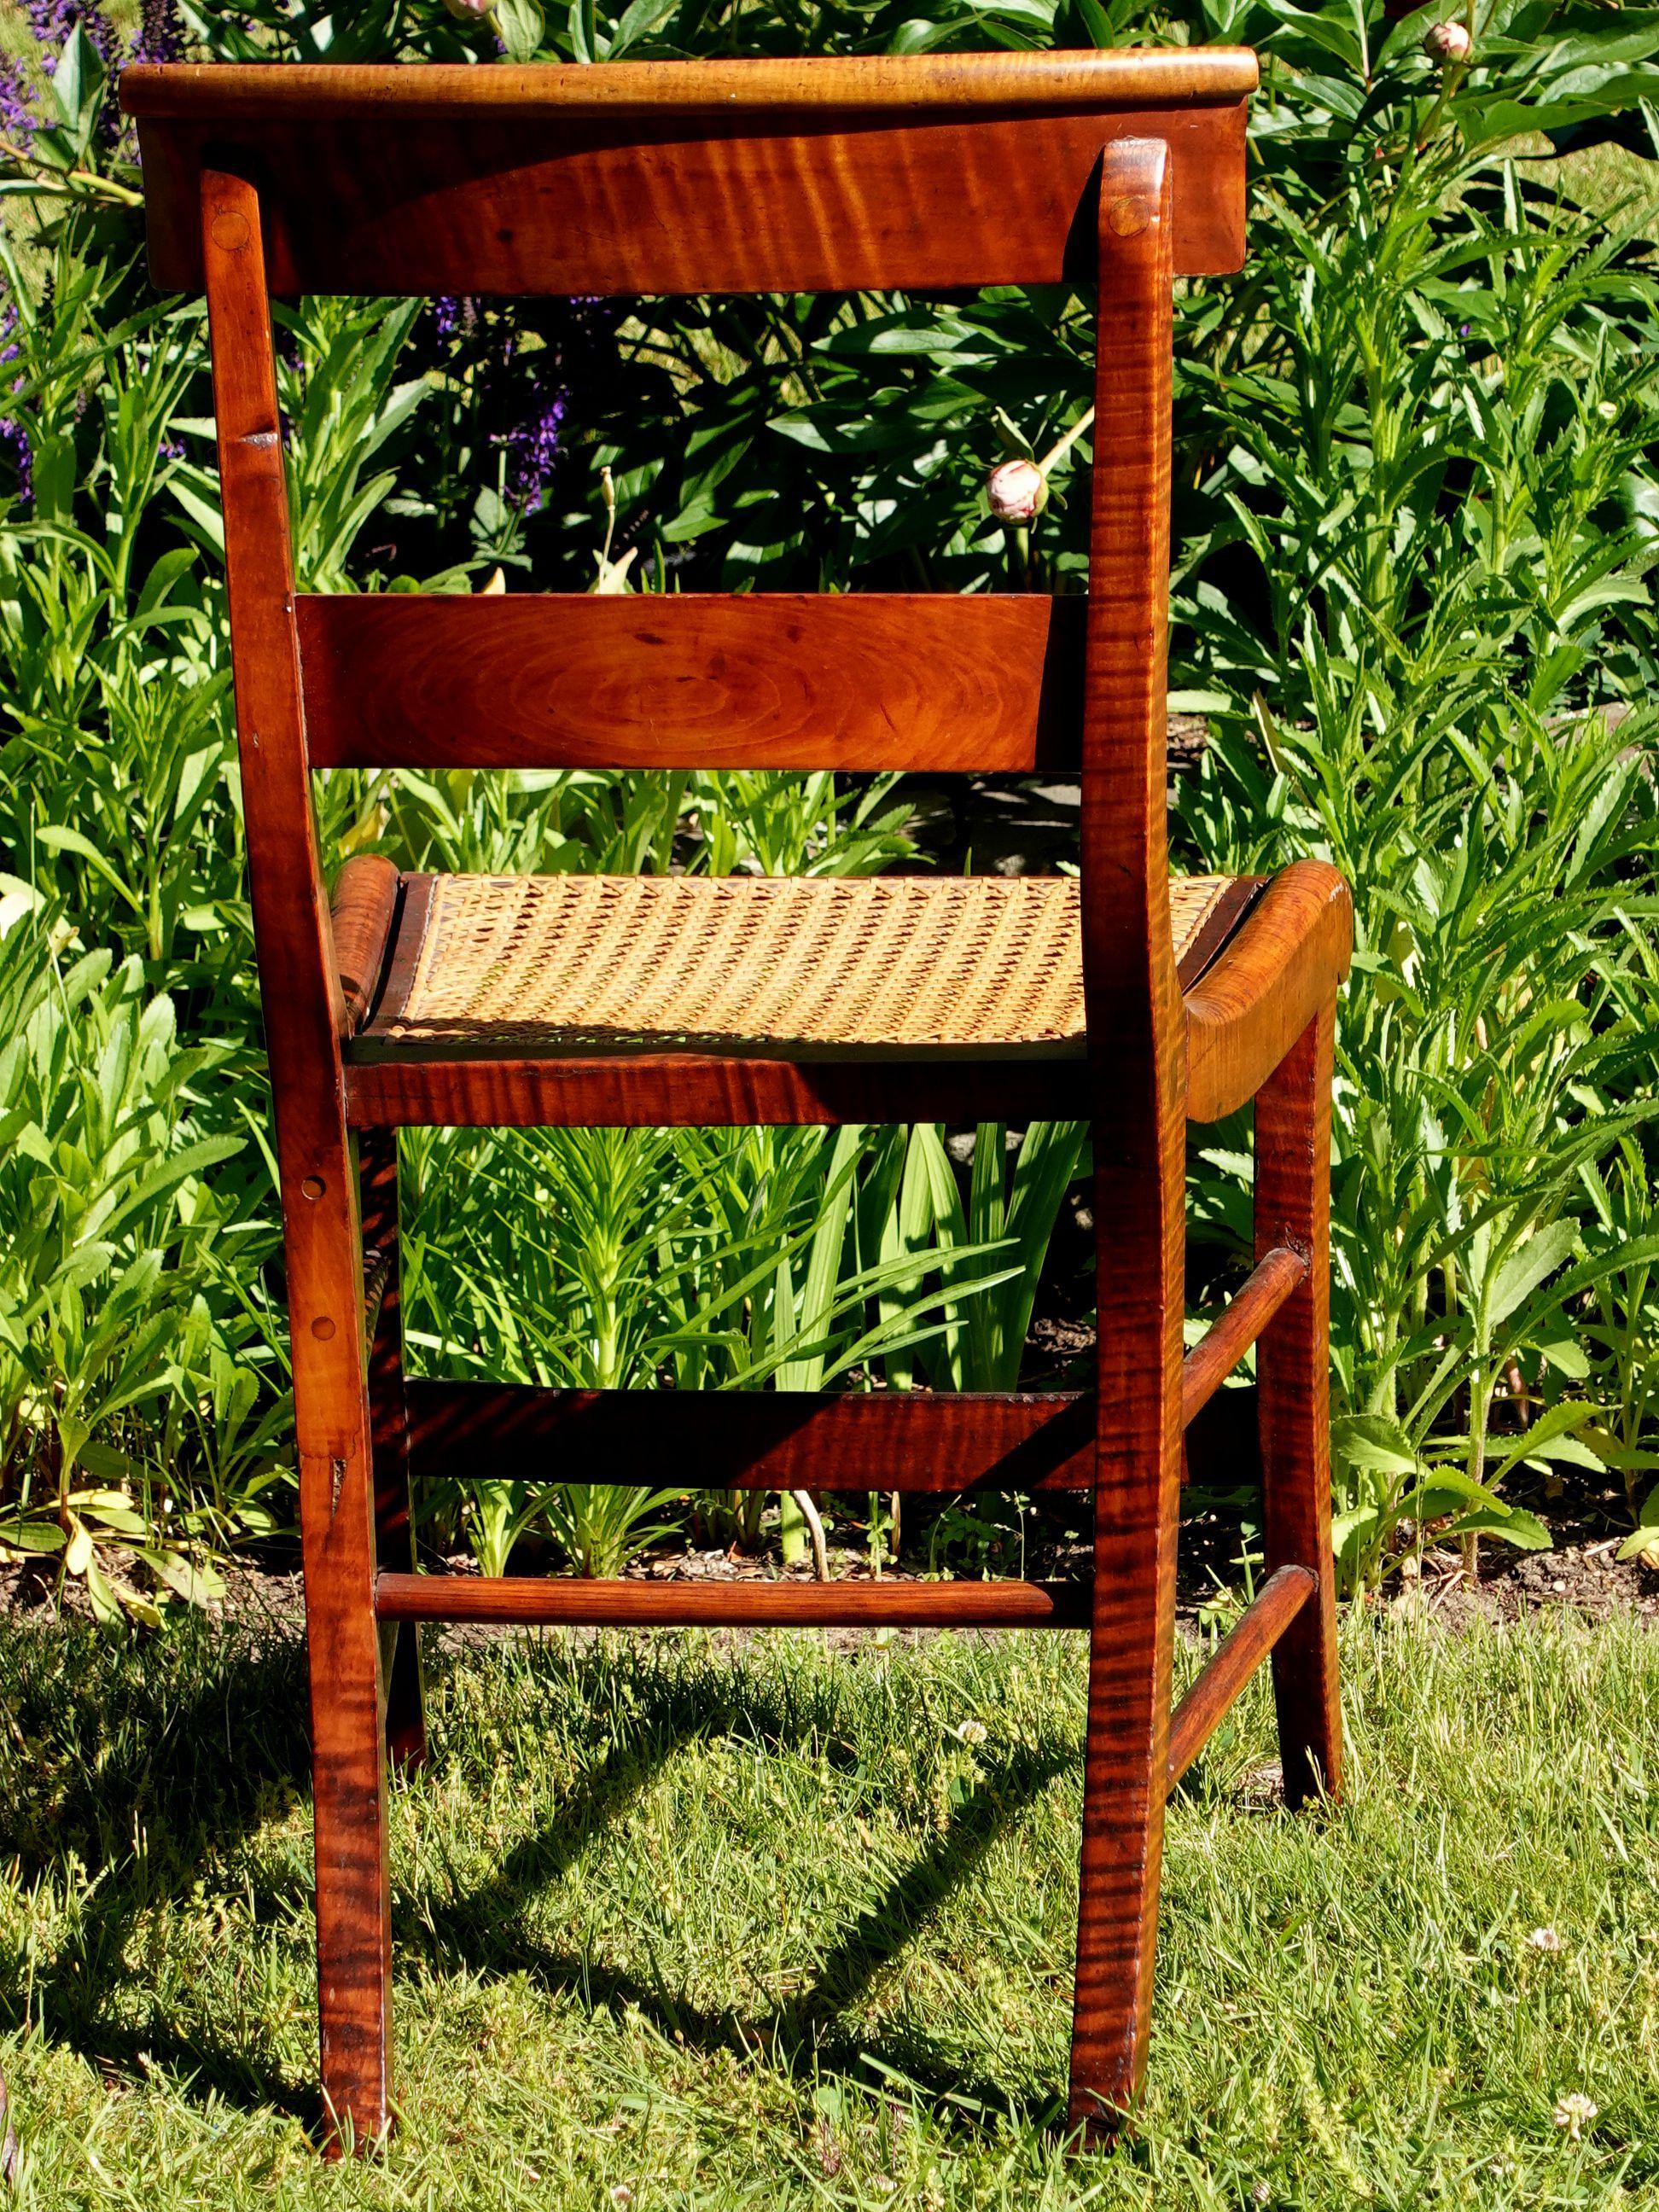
(707, 177)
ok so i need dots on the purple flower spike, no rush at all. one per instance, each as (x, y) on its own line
(159, 38)
(14, 436)
(53, 21)
(12, 433)
(17, 116)
(532, 450)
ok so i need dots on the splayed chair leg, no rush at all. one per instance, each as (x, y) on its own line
(1293, 1206)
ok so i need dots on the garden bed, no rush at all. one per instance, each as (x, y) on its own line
(1580, 1574)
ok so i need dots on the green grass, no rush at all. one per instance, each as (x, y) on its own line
(761, 1929)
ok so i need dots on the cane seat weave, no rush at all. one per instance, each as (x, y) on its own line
(809, 967)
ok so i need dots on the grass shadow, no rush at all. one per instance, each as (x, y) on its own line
(192, 1741)
(129, 1765)
(487, 1926)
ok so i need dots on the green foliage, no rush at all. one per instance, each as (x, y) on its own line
(1417, 517)
(111, 1245)
(1436, 585)
(694, 1258)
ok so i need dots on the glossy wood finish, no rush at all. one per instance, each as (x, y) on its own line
(394, 1533)
(861, 178)
(838, 175)
(912, 1441)
(1292, 1364)
(224, 95)
(1214, 1359)
(688, 1090)
(782, 680)
(361, 910)
(1259, 997)
(1133, 1012)
(572, 1601)
(304, 1018)
(1278, 1602)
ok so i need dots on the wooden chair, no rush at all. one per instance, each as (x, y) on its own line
(470, 1002)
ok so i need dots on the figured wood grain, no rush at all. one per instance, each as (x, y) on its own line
(1293, 1204)
(1253, 1636)
(851, 186)
(1134, 1022)
(304, 1019)
(223, 93)
(576, 1602)
(817, 176)
(364, 902)
(911, 1441)
(394, 1529)
(689, 1091)
(1256, 998)
(1252, 1306)
(782, 680)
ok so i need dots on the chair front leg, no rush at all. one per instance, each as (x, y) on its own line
(1293, 1206)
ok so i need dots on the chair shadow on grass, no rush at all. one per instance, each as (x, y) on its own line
(182, 1741)
(487, 1926)
(189, 1749)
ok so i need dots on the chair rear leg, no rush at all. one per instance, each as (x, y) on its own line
(400, 1647)
(1293, 1206)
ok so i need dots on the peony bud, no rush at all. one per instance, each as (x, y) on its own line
(1447, 42)
(469, 11)
(1016, 491)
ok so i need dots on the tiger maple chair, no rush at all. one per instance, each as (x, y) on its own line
(1139, 1004)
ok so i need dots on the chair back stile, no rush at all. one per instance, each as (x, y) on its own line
(1135, 1030)
(303, 1006)
(305, 1021)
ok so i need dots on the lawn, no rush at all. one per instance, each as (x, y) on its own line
(680, 1924)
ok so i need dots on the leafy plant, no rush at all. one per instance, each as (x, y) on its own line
(1417, 517)
(105, 1231)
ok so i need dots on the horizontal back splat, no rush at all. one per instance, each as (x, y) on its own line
(644, 177)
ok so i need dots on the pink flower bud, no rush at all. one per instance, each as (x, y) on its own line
(1016, 491)
(469, 11)
(1447, 42)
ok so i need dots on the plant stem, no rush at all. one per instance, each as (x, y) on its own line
(809, 1513)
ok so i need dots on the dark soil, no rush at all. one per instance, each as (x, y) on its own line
(1220, 1558)
(1582, 1574)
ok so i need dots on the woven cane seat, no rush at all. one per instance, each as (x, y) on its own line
(806, 967)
